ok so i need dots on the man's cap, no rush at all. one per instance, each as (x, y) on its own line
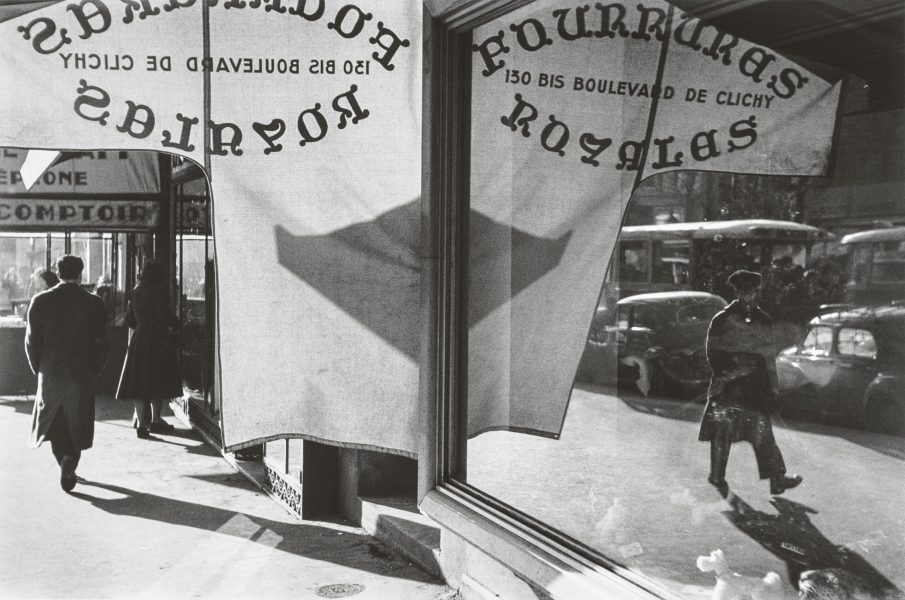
(744, 280)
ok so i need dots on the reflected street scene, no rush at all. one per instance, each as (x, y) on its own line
(739, 405)
(629, 477)
(559, 300)
(821, 377)
(705, 392)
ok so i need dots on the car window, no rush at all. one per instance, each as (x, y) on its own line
(889, 271)
(622, 319)
(671, 262)
(701, 312)
(857, 342)
(819, 342)
(644, 316)
(860, 264)
(633, 262)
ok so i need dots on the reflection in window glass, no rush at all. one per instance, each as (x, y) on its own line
(859, 265)
(621, 470)
(671, 262)
(104, 255)
(819, 342)
(889, 269)
(797, 253)
(857, 342)
(22, 258)
(700, 312)
(633, 263)
(644, 316)
(195, 273)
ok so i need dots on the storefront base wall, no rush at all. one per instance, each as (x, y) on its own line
(484, 557)
(369, 474)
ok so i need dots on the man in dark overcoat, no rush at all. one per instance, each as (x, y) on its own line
(741, 353)
(66, 343)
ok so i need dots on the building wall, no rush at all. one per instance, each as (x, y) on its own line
(868, 179)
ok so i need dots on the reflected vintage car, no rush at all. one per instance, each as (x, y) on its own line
(849, 367)
(655, 340)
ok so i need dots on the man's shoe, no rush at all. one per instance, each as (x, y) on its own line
(161, 427)
(142, 433)
(67, 473)
(720, 485)
(780, 484)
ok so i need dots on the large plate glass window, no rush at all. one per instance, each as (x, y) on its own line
(196, 298)
(609, 464)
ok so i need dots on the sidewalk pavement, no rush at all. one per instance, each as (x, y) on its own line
(170, 518)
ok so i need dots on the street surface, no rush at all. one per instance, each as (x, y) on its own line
(628, 477)
(169, 518)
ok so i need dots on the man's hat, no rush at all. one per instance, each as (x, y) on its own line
(744, 280)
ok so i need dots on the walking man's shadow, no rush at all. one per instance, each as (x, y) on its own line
(791, 536)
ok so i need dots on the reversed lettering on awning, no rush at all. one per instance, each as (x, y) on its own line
(66, 214)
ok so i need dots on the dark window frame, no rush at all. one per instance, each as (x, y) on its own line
(450, 133)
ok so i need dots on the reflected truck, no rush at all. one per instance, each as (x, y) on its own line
(875, 266)
(701, 255)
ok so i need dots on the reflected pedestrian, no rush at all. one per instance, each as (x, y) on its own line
(43, 279)
(66, 344)
(104, 288)
(150, 374)
(741, 353)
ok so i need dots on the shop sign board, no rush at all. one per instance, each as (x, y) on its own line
(83, 173)
(52, 215)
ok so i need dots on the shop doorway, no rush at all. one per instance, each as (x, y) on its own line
(194, 300)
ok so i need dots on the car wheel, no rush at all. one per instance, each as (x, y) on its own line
(683, 375)
(886, 415)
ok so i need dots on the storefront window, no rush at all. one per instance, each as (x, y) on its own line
(196, 298)
(22, 258)
(104, 255)
(26, 255)
(618, 466)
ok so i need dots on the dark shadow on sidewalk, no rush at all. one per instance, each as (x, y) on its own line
(199, 449)
(350, 549)
(234, 480)
(790, 535)
(19, 404)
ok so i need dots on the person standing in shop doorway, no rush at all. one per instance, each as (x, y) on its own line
(150, 374)
(66, 344)
(743, 386)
